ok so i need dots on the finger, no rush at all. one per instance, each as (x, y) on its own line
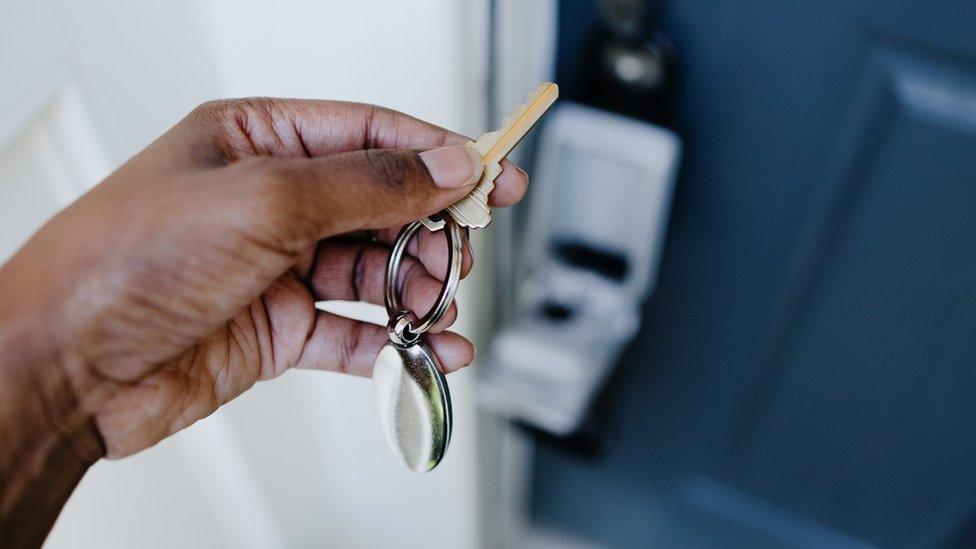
(299, 128)
(349, 346)
(302, 127)
(510, 185)
(292, 203)
(453, 350)
(356, 271)
(431, 249)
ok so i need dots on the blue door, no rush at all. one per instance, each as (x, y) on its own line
(806, 371)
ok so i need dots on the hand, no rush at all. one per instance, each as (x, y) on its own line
(192, 272)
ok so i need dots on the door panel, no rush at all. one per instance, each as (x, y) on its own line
(804, 374)
(30, 198)
(869, 423)
(48, 44)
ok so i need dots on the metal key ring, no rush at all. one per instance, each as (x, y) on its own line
(404, 332)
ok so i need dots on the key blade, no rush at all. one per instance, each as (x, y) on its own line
(473, 211)
(496, 145)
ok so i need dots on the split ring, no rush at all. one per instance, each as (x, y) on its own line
(405, 331)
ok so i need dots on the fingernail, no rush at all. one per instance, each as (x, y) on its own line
(523, 172)
(453, 167)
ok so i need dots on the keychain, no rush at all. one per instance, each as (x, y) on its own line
(412, 397)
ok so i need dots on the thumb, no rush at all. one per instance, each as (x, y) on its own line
(307, 199)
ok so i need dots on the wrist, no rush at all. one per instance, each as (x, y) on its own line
(46, 442)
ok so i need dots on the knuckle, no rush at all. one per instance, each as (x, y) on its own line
(382, 125)
(234, 110)
(217, 107)
(213, 110)
(204, 110)
(372, 113)
(350, 345)
(359, 271)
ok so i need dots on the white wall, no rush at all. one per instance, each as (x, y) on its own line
(298, 461)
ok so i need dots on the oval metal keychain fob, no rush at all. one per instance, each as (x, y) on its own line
(412, 398)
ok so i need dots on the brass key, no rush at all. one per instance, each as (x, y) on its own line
(473, 210)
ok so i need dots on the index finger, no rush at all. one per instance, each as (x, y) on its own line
(304, 127)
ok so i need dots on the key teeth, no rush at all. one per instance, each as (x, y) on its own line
(529, 99)
(473, 211)
(466, 221)
(490, 135)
